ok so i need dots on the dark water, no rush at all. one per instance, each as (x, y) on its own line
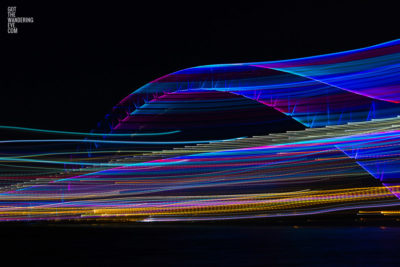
(200, 245)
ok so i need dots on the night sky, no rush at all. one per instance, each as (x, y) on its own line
(76, 61)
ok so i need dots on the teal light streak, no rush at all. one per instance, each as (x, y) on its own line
(84, 134)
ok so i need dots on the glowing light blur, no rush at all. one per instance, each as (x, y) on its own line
(330, 142)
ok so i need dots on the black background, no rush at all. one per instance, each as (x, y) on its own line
(76, 61)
